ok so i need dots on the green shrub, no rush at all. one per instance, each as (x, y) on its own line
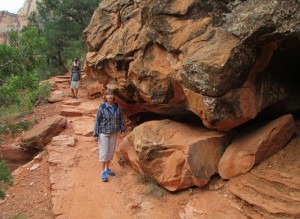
(145, 179)
(6, 178)
(153, 188)
(41, 94)
(2, 194)
(20, 216)
(14, 100)
(15, 104)
(36, 97)
(16, 128)
(8, 97)
(16, 88)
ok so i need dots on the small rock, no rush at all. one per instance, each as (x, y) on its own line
(95, 149)
(2, 201)
(38, 157)
(34, 167)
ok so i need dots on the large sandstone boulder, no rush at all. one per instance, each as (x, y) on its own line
(224, 61)
(255, 145)
(176, 155)
(41, 134)
(10, 21)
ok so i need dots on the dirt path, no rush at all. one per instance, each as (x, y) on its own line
(78, 192)
(64, 183)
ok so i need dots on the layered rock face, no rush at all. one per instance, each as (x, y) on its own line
(225, 63)
(28, 7)
(10, 21)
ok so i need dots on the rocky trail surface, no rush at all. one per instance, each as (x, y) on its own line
(63, 181)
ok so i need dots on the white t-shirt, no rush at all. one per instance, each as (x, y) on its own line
(76, 64)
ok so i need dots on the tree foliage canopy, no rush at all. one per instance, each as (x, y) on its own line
(20, 62)
(44, 48)
(63, 22)
(23, 54)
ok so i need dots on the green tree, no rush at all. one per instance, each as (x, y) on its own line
(63, 22)
(19, 67)
(23, 54)
(7, 62)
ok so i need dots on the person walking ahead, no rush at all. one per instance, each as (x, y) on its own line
(75, 63)
(75, 81)
(109, 121)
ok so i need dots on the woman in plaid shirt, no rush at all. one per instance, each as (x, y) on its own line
(109, 121)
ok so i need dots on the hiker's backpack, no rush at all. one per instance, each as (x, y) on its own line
(75, 75)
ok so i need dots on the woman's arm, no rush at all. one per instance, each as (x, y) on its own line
(97, 122)
(122, 122)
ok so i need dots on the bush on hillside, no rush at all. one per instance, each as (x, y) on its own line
(6, 178)
(15, 103)
(16, 128)
(24, 90)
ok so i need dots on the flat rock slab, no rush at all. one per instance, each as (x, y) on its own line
(83, 125)
(89, 107)
(72, 102)
(272, 188)
(62, 158)
(63, 140)
(68, 111)
(210, 205)
(255, 145)
(61, 80)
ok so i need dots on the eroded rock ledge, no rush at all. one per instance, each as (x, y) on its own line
(226, 63)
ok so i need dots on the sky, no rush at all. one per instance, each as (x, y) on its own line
(11, 5)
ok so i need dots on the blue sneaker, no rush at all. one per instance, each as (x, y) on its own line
(109, 172)
(103, 177)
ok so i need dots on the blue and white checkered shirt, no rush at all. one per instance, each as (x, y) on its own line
(108, 122)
